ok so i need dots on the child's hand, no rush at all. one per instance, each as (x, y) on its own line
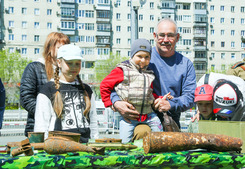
(168, 96)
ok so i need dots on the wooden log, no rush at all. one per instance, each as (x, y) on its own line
(176, 141)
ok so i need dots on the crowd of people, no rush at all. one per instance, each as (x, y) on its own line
(155, 80)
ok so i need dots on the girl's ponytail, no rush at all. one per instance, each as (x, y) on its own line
(86, 98)
(58, 102)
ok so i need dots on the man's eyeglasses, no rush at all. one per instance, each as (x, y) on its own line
(170, 36)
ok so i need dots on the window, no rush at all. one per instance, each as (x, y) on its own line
(36, 51)
(151, 29)
(11, 37)
(24, 24)
(11, 50)
(11, 24)
(49, 11)
(129, 28)
(212, 43)
(212, 20)
(103, 27)
(222, 8)
(212, 67)
(129, 4)
(89, 39)
(118, 41)
(71, 12)
(151, 5)
(118, 28)
(24, 11)
(24, 37)
(118, 16)
(242, 32)
(36, 0)
(242, 9)
(71, 25)
(151, 17)
(49, 25)
(222, 32)
(36, 11)
(242, 21)
(36, 38)
(200, 5)
(140, 29)
(36, 25)
(49, 1)
(82, 13)
(129, 41)
(212, 55)
(186, 41)
(129, 16)
(212, 8)
(152, 42)
(140, 17)
(187, 18)
(118, 2)
(222, 56)
(11, 10)
(232, 32)
(232, 44)
(24, 51)
(186, 30)
(103, 51)
(118, 52)
(232, 20)
(222, 20)
(223, 67)
(243, 55)
(232, 8)
(222, 44)
(212, 32)
(233, 56)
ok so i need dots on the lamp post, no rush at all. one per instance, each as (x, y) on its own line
(135, 4)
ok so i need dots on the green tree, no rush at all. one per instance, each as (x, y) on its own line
(103, 67)
(12, 66)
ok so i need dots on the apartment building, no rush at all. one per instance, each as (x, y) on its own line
(210, 30)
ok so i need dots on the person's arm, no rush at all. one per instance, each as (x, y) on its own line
(43, 114)
(108, 83)
(28, 88)
(93, 120)
(2, 102)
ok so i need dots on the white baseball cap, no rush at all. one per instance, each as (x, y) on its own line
(69, 52)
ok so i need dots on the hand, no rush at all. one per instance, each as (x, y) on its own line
(162, 105)
(126, 110)
(197, 116)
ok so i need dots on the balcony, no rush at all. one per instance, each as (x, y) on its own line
(66, 1)
(103, 33)
(199, 48)
(102, 7)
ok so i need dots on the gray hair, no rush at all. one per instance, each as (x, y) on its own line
(166, 20)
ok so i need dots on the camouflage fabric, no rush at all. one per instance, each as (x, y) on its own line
(126, 159)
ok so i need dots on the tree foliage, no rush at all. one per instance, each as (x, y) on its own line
(12, 66)
(103, 67)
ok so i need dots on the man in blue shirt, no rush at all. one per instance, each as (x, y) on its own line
(174, 73)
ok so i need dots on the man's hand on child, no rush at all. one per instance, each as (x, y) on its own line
(126, 110)
(161, 105)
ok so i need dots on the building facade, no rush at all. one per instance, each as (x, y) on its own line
(210, 30)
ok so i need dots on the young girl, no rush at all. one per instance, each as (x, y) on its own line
(65, 103)
(38, 73)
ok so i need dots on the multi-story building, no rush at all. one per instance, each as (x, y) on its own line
(210, 30)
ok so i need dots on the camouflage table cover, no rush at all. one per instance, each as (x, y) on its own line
(126, 159)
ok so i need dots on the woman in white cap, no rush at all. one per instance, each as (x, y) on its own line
(66, 103)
